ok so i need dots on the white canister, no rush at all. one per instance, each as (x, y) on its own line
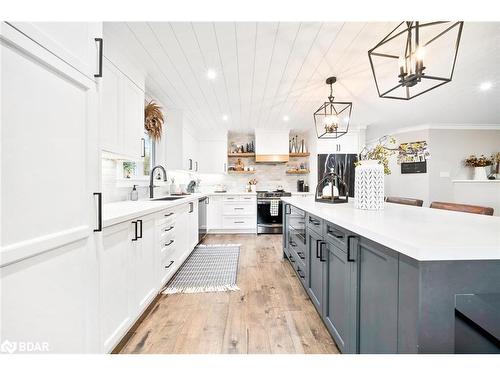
(369, 185)
(480, 173)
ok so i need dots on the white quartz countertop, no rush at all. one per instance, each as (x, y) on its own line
(117, 212)
(231, 193)
(422, 233)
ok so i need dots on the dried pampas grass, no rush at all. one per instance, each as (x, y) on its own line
(154, 120)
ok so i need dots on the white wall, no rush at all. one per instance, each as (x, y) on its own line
(448, 148)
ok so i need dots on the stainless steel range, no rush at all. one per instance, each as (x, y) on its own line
(270, 211)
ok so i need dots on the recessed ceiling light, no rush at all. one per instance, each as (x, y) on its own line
(485, 86)
(225, 117)
(211, 74)
(286, 118)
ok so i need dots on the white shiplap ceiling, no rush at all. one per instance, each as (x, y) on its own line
(266, 71)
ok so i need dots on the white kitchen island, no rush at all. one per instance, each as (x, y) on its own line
(386, 281)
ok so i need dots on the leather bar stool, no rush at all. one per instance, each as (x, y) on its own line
(463, 208)
(407, 201)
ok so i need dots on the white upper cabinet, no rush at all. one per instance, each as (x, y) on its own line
(73, 42)
(213, 156)
(350, 143)
(122, 113)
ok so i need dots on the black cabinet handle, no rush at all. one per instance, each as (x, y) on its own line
(100, 42)
(99, 212)
(196, 166)
(191, 207)
(349, 249)
(143, 146)
(314, 222)
(291, 258)
(288, 209)
(171, 262)
(169, 214)
(321, 252)
(301, 274)
(317, 248)
(140, 222)
(135, 231)
(190, 164)
(169, 243)
(169, 229)
(301, 255)
(239, 222)
(334, 233)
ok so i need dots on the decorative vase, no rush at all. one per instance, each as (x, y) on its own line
(480, 173)
(369, 185)
(253, 188)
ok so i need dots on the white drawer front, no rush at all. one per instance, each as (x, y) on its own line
(239, 222)
(239, 198)
(239, 208)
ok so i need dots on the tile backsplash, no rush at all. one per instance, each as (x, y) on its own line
(268, 176)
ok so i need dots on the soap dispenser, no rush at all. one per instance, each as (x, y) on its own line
(134, 194)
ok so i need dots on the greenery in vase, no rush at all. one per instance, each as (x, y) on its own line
(474, 161)
(128, 168)
(381, 152)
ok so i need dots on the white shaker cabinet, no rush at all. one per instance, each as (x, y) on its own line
(49, 117)
(144, 263)
(350, 143)
(116, 283)
(214, 212)
(129, 276)
(73, 42)
(213, 156)
(122, 113)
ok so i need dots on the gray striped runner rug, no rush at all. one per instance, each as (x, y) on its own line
(209, 268)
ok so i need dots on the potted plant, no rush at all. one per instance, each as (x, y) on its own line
(479, 164)
(496, 160)
(371, 167)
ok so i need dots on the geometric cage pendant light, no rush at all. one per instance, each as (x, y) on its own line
(331, 120)
(415, 58)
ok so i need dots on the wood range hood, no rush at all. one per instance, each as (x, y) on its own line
(271, 146)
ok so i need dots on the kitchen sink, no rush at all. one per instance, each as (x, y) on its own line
(167, 199)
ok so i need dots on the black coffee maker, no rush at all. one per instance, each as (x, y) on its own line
(300, 185)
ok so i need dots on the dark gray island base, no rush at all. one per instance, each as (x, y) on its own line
(374, 299)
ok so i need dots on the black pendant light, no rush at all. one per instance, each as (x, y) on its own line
(332, 118)
(415, 58)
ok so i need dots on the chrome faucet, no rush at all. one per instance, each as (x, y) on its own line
(151, 185)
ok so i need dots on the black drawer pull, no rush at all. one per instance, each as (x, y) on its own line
(291, 258)
(318, 245)
(239, 208)
(239, 222)
(301, 255)
(140, 222)
(314, 222)
(169, 214)
(135, 231)
(349, 249)
(321, 252)
(169, 243)
(169, 229)
(171, 262)
(301, 274)
(334, 233)
(293, 243)
(99, 71)
(99, 212)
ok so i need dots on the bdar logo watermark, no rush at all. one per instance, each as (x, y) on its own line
(11, 347)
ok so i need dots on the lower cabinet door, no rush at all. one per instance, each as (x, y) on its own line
(338, 312)
(116, 283)
(145, 264)
(315, 270)
(378, 298)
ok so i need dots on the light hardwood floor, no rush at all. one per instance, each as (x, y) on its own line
(270, 314)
